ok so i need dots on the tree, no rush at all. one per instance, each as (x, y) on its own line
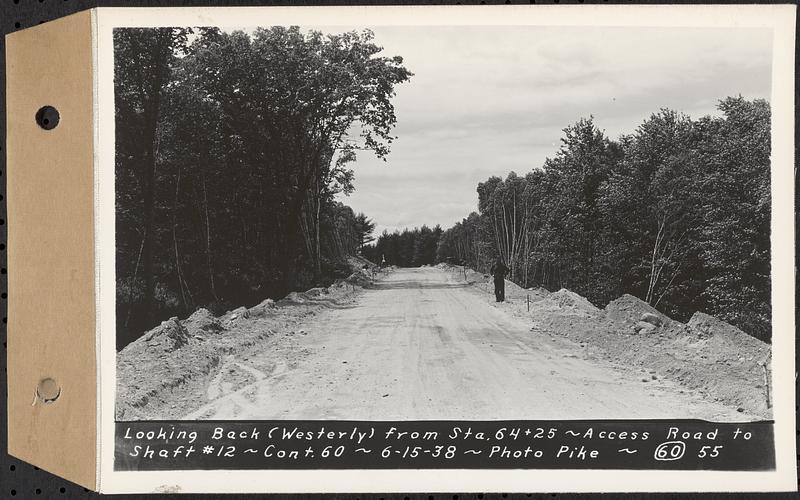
(231, 150)
(409, 248)
(364, 227)
(650, 201)
(676, 213)
(142, 67)
(735, 240)
(575, 175)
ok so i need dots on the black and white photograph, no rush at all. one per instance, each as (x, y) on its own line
(442, 223)
(388, 222)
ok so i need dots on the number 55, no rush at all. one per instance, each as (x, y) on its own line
(712, 454)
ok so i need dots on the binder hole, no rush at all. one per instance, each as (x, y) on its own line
(47, 117)
(48, 390)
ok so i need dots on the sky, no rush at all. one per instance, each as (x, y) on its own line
(485, 101)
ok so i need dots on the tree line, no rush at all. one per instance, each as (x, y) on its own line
(409, 248)
(676, 213)
(230, 149)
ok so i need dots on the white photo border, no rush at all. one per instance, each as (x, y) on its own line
(779, 18)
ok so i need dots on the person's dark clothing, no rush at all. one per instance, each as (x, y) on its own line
(499, 272)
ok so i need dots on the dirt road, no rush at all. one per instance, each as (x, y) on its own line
(421, 345)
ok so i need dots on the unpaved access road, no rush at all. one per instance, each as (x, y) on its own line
(421, 345)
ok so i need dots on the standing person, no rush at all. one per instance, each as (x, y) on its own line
(499, 272)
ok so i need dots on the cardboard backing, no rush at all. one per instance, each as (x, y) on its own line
(51, 320)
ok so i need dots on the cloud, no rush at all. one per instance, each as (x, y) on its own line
(487, 100)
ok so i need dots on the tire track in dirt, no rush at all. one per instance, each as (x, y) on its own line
(419, 346)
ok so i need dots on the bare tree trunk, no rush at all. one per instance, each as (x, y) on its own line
(175, 237)
(181, 281)
(318, 263)
(151, 112)
(208, 239)
(133, 282)
(654, 261)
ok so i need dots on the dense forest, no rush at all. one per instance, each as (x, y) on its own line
(230, 150)
(409, 248)
(676, 213)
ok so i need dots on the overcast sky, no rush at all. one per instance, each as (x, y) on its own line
(488, 100)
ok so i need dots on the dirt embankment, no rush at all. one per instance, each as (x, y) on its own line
(158, 372)
(705, 355)
(173, 366)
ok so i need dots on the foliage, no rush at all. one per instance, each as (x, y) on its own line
(677, 213)
(230, 150)
(409, 248)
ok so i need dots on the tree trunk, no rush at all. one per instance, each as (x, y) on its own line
(181, 281)
(318, 256)
(151, 112)
(133, 282)
(208, 240)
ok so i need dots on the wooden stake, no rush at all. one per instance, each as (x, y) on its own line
(766, 383)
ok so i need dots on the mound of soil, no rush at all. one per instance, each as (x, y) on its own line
(566, 299)
(156, 371)
(167, 336)
(359, 278)
(149, 367)
(717, 359)
(294, 297)
(202, 322)
(356, 263)
(514, 290)
(262, 309)
(538, 293)
(232, 317)
(707, 355)
(628, 310)
(714, 328)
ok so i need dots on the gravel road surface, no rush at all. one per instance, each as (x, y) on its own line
(422, 345)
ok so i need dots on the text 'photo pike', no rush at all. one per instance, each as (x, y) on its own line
(442, 223)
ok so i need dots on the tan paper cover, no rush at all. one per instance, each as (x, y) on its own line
(51, 297)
